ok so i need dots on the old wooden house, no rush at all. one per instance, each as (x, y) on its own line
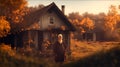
(42, 25)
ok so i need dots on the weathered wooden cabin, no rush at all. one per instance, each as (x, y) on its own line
(43, 25)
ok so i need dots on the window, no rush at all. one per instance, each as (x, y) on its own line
(51, 20)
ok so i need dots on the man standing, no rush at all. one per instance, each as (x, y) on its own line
(59, 49)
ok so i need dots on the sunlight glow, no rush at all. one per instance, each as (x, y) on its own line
(93, 6)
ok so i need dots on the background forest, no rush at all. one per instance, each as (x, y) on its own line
(107, 25)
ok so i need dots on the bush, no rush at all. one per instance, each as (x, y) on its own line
(9, 58)
(6, 50)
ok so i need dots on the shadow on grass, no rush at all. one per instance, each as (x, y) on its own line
(9, 58)
(110, 58)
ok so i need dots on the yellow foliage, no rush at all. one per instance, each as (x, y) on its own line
(13, 9)
(6, 49)
(112, 18)
(87, 22)
(63, 27)
(4, 27)
(15, 4)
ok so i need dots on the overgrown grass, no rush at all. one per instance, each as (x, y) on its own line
(101, 58)
(110, 58)
(83, 54)
(81, 49)
(10, 58)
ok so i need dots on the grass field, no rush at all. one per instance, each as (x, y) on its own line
(83, 54)
(83, 49)
(94, 54)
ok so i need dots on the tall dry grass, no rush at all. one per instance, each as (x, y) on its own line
(94, 54)
(83, 54)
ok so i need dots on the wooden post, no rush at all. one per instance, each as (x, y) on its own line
(94, 37)
(69, 44)
(29, 38)
(15, 42)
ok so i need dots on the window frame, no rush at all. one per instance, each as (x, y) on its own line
(51, 20)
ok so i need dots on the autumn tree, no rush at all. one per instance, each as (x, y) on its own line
(34, 8)
(4, 27)
(112, 26)
(13, 9)
(87, 24)
(75, 18)
(112, 19)
(82, 22)
(74, 15)
(11, 12)
(106, 24)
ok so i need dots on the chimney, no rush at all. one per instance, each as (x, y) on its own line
(63, 8)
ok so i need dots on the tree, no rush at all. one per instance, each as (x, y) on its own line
(13, 9)
(112, 26)
(32, 9)
(87, 24)
(74, 15)
(4, 27)
(112, 18)
(83, 23)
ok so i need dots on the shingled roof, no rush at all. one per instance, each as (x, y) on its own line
(33, 18)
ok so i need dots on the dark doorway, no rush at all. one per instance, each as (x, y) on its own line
(9, 39)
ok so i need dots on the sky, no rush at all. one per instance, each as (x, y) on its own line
(81, 6)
